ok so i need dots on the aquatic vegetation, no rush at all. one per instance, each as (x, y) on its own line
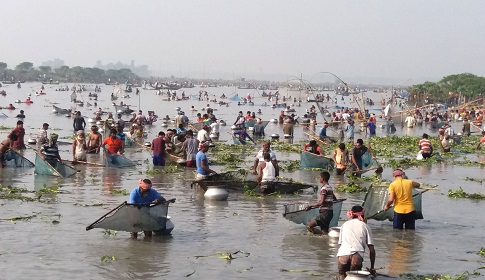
(10, 192)
(3, 127)
(163, 170)
(289, 165)
(474, 180)
(106, 259)
(110, 232)
(96, 203)
(123, 192)
(250, 192)
(463, 276)
(351, 187)
(226, 159)
(286, 147)
(52, 190)
(462, 194)
(227, 255)
(21, 218)
(481, 252)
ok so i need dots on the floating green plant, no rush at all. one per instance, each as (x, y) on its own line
(462, 194)
(110, 232)
(119, 192)
(106, 259)
(351, 187)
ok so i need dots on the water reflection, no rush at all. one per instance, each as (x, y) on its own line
(404, 251)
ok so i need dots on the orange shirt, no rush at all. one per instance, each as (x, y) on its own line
(114, 146)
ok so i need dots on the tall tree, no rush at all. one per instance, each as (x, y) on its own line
(24, 66)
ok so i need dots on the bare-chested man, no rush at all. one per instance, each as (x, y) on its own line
(5, 146)
(94, 140)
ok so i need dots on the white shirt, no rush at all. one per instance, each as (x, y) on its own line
(410, 121)
(354, 237)
(203, 136)
(269, 173)
(261, 158)
(214, 127)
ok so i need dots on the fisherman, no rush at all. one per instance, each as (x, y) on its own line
(240, 120)
(115, 145)
(325, 204)
(482, 140)
(19, 130)
(158, 149)
(312, 147)
(260, 158)
(78, 123)
(21, 115)
(50, 152)
(372, 128)
(445, 144)
(359, 150)
(323, 132)
(401, 194)
(258, 129)
(94, 140)
(42, 134)
(10, 107)
(203, 134)
(266, 175)
(466, 127)
(120, 122)
(341, 158)
(7, 144)
(425, 147)
(355, 234)
(410, 121)
(214, 126)
(349, 130)
(190, 146)
(181, 128)
(144, 193)
(202, 163)
(79, 147)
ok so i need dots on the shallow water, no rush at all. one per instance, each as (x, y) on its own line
(446, 241)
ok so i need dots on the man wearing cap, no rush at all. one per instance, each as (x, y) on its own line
(78, 123)
(202, 163)
(42, 135)
(401, 194)
(190, 147)
(144, 193)
(79, 147)
(355, 234)
(19, 130)
(50, 151)
(94, 140)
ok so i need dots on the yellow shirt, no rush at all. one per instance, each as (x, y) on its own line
(403, 195)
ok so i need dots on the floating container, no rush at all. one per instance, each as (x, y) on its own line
(359, 274)
(273, 121)
(334, 232)
(216, 193)
(275, 136)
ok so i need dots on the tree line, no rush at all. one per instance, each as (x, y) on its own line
(26, 71)
(466, 86)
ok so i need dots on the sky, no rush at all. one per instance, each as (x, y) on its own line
(381, 42)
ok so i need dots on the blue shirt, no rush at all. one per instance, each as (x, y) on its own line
(323, 132)
(199, 158)
(137, 197)
(121, 135)
(372, 128)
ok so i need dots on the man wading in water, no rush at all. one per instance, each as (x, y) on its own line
(325, 203)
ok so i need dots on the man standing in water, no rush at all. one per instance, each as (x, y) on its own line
(325, 204)
(190, 147)
(260, 158)
(401, 194)
(5, 146)
(354, 236)
(266, 175)
(145, 194)
(158, 148)
(20, 132)
(359, 150)
(115, 145)
(78, 123)
(42, 135)
(79, 147)
(202, 163)
(425, 147)
(94, 140)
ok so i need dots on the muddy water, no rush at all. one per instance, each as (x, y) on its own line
(446, 241)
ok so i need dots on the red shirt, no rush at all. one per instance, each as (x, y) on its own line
(114, 146)
(20, 138)
(158, 146)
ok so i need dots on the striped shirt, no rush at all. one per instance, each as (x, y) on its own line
(328, 197)
(425, 145)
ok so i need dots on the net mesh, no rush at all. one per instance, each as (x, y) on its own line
(376, 198)
(310, 160)
(117, 161)
(296, 213)
(368, 163)
(132, 218)
(52, 168)
(14, 159)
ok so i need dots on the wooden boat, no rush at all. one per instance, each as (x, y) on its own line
(135, 218)
(122, 109)
(296, 213)
(117, 161)
(60, 110)
(54, 168)
(241, 181)
(311, 160)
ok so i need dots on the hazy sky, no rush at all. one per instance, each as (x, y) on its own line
(374, 41)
